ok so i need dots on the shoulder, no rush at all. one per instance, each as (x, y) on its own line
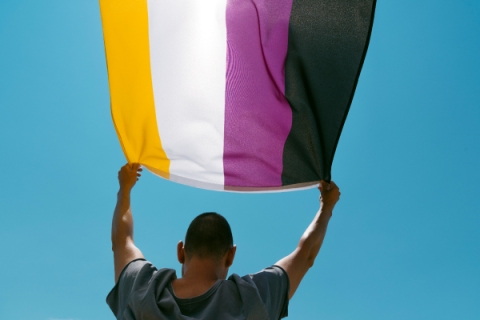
(272, 286)
(270, 276)
(128, 276)
(133, 267)
(139, 272)
(136, 276)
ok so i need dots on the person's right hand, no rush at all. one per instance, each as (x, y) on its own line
(128, 176)
(329, 195)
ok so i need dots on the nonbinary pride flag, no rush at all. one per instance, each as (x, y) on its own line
(246, 95)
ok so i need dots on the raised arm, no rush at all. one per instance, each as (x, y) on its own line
(301, 259)
(124, 249)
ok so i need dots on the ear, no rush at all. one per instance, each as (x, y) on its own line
(181, 252)
(230, 256)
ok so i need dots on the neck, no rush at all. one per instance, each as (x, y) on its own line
(198, 275)
(203, 270)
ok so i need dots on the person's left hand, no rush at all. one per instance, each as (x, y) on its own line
(128, 176)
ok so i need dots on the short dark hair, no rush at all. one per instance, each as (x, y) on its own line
(208, 236)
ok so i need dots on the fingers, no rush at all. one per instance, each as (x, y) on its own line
(328, 188)
(323, 186)
(329, 194)
(136, 167)
(333, 185)
(130, 169)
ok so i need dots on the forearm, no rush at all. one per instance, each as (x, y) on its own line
(124, 250)
(312, 239)
(301, 259)
(122, 222)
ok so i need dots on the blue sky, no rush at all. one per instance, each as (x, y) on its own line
(404, 241)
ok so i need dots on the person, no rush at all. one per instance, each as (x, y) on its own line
(204, 292)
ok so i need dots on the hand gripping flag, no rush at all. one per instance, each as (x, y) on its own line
(245, 95)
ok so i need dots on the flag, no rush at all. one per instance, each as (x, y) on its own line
(244, 95)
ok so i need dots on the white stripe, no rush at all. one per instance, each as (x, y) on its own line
(188, 61)
(216, 187)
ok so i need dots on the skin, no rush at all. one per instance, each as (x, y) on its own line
(302, 258)
(123, 247)
(200, 274)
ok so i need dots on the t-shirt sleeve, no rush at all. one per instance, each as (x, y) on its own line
(273, 286)
(137, 273)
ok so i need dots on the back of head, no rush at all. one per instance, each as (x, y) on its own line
(208, 236)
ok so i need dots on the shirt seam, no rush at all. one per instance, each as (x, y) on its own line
(203, 296)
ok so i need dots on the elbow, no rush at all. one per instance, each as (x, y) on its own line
(310, 261)
(307, 255)
(116, 241)
(309, 251)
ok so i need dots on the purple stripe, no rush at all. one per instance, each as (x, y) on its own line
(258, 118)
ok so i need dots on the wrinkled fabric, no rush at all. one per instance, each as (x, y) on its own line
(144, 292)
(236, 95)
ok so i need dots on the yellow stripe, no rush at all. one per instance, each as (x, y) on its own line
(125, 30)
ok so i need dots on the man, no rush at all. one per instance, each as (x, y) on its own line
(143, 292)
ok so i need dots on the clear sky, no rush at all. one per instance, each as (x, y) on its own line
(404, 241)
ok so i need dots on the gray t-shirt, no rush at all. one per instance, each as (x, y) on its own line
(143, 292)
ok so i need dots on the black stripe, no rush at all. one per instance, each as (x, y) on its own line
(327, 44)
